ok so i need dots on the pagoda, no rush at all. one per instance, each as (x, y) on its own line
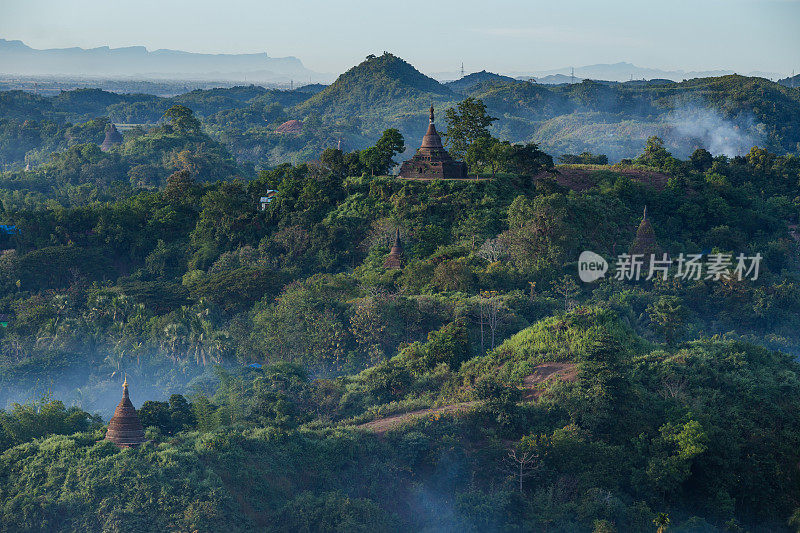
(395, 258)
(124, 429)
(431, 160)
(113, 138)
(645, 241)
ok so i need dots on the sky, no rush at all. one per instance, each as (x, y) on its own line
(517, 36)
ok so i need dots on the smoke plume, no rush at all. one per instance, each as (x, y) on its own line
(705, 127)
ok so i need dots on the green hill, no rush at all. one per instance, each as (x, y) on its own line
(471, 80)
(382, 91)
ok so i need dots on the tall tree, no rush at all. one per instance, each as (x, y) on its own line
(466, 124)
(181, 119)
(668, 314)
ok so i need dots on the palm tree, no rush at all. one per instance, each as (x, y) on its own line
(662, 521)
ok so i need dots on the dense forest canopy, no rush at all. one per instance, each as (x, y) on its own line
(290, 379)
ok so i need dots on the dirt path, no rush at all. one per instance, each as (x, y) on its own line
(531, 391)
(382, 425)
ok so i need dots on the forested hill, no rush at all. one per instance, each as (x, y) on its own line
(381, 92)
(470, 80)
(726, 115)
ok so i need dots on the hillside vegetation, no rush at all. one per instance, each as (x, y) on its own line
(290, 380)
(726, 115)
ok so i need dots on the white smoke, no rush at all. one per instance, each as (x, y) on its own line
(705, 127)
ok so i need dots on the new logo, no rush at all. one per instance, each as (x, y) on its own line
(591, 266)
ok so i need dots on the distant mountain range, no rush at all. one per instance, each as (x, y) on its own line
(16, 58)
(614, 72)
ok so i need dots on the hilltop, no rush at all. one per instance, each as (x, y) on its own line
(289, 379)
(791, 81)
(471, 80)
(382, 91)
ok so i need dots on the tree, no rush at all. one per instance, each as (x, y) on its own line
(654, 152)
(584, 158)
(178, 186)
(521, 464)
(492, 250)
(466, 124)
(794, 520)
(181, 119)
(701, 160)
(332, 160)
(668, 314)
(378, 158)
(489, 308)
(528, 160)
(371, 159)
(603, 526)
(662, 522)
(390, 144)
(488, 151)
(567, 288)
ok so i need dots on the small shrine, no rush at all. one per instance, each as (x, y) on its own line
(124, 429)
(113, 138)
(395, 258)
(645, 241)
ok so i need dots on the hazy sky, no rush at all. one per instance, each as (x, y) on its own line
(505, 35)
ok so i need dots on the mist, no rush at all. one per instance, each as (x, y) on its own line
(97, 389)
(705, 127)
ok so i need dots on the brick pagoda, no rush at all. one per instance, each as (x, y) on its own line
(431, 160)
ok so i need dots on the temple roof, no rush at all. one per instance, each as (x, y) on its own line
(125, 429)
(431, 138)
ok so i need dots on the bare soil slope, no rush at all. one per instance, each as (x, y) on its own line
(532, 385)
